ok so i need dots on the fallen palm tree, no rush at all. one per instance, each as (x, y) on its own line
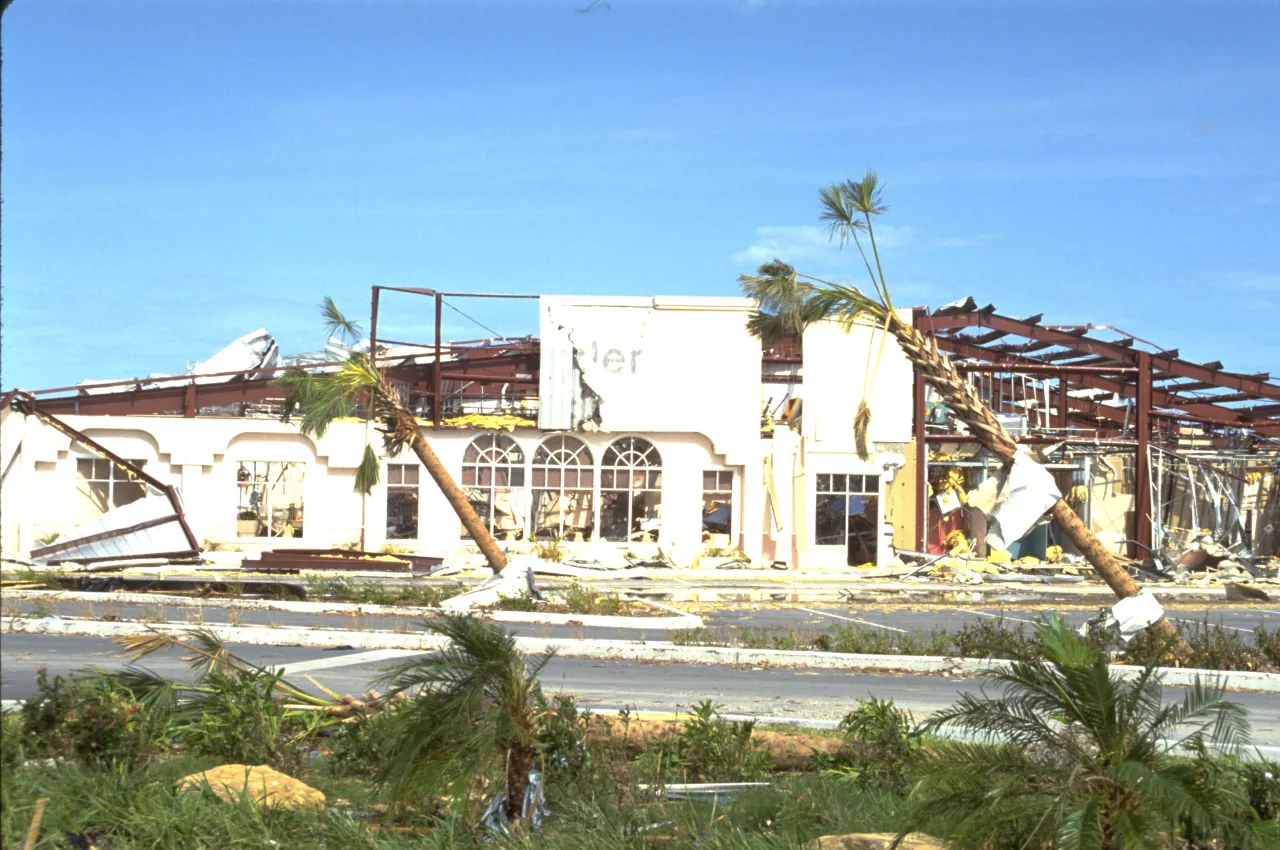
(214, 668)
(789, 301)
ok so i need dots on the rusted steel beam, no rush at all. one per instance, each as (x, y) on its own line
(922, 453)
(55, 548)
(1209, 372)
(1203, 411)
(436, 379)
(1142, 469)
(1023, 367)
(29, 406)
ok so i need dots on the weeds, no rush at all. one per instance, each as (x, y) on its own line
(41, 609)
(710, 748)
(580, 599)
(1213, 646)
(884, 741)
(343, 589)
(550, 550)
(518, 602)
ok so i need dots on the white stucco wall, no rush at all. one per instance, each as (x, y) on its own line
(43, 479)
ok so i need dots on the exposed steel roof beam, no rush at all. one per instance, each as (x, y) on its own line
(1210, 372)
(1159, 397)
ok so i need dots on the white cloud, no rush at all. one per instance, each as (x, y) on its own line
(1251, 281)
(807, 242)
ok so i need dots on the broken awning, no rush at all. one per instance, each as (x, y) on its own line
(152, 527)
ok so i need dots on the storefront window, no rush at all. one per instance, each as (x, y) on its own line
(845, 511)
(493, 480)
(563, 480)
(270, 498)
(630, 491)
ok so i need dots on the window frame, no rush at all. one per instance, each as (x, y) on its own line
(729, 492)
(558, 461)
(842, 484)
(267, 497)
(117, 476)
(651, 473)
(401, 487)
(486, 461)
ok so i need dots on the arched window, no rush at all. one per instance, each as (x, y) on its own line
(493, 480)
(630, 491)
(562, 489)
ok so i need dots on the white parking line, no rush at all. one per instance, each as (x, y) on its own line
(1233, 628)
(853, 620)
(995, 616)
(349, 660)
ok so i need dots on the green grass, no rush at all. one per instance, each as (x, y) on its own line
(1213, 647)
(137, 810)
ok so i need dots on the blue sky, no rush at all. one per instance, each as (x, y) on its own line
(177, 174)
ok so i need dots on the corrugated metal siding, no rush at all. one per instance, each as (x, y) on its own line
(168, 537)
(558, 383)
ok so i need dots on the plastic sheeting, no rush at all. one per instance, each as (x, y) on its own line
(532, 810)
(1027, 492)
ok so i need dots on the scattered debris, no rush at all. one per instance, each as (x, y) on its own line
(532, 810)
(1244, 593)
(515, 580)
(264, 785)
(1134, 614)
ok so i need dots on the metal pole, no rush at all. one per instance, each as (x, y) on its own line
(436, 378)
(922, 457)
(1142, 480)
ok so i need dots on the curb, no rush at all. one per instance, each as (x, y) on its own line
(679, 620)
(620, 650)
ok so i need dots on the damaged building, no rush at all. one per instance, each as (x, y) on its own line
(655, 422)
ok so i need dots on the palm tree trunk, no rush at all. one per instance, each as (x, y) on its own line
(519, 763)
(963, 400)
(453, 493)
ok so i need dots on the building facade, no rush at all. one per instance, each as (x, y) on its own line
(659, 422)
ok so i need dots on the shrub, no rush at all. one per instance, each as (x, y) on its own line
(710, 748)
(885, 742)
(92, 720)
(12, 740)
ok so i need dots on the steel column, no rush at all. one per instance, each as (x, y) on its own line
(922, 455)
(1142, 461)
(437, 382)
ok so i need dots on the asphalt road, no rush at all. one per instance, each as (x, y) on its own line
(1240, 618)
(659, 687)
(801, 617)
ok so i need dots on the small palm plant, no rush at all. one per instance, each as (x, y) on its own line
(318, 398)
(1071, 757)
(789, 301)
(474, 704)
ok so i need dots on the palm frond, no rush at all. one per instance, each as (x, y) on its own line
(842, 220)
(368, 472)
(336, 323)
(1081, 829)
(865, 196)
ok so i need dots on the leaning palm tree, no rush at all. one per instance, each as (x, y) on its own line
(789, 301)
(1069, 756)
(318, 398)
(473, 704)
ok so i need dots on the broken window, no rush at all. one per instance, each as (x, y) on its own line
(717, 506)
(270, 495)
(630, 491)
(402, 501)
(845, 511)
(563, 480)
(103, 485)
(493, 480)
